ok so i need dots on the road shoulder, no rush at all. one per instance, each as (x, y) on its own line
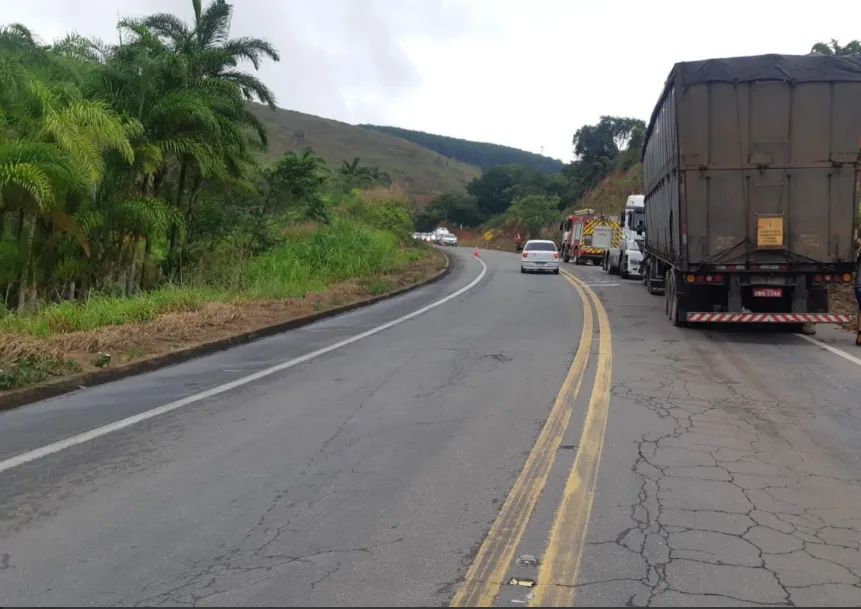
(181, 353)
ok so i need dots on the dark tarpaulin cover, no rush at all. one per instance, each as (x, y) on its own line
(790, 68)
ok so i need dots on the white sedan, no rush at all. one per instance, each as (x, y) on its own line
(449, 239)
(539, 256)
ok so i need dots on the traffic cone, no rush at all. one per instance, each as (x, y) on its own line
(476, 252)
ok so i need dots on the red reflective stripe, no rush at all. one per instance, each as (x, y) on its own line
(771, 317)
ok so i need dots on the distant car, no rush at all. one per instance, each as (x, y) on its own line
(417, 235)
(539, 256)
(449, 240)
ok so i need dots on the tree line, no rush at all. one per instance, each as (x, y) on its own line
(481, 154)
(122, 164)
(519, 192)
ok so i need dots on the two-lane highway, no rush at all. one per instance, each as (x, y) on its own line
(494, 438)
(364, 476)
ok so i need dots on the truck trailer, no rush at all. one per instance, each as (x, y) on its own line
(750, 171)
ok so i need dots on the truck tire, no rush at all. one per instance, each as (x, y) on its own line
(577, 259)
(605, 263)
(623, 268)
(647, 280)
(566, 254)
(673, 300)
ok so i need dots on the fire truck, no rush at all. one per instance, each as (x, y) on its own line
(586, 235)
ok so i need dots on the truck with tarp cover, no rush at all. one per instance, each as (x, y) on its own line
(750, 172)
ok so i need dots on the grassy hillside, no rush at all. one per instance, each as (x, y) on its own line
(421, 171)
(610, 194)
(481, 154)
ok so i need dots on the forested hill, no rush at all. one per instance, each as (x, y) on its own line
(481, 154)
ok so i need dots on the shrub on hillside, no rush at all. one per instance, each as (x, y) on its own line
(536, 212)
(386, 208)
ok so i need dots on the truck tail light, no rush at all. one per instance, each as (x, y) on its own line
(832, 278)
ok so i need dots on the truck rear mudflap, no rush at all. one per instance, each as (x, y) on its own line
(770, 318)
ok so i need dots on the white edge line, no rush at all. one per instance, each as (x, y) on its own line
(55, 447)
(809, 339)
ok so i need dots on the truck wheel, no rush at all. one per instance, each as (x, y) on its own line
(673, 300)
(577, 258)
(605, 263)
(566, 254)
(623, 268)
(647, 279)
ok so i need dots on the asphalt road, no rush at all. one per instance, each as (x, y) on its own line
(528, 429)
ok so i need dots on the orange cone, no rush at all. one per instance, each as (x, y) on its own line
(476, 251)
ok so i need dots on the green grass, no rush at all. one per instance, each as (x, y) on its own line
(99, 311)
(309, 262)
(419, 170)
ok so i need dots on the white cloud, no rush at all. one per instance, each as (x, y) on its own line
(524, 73)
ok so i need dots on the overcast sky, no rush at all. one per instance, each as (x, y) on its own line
(525, 73)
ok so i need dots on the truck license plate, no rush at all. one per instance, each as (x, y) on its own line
(768, 292)
(768, 279)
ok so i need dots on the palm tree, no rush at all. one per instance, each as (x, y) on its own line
(380, 177)
(205, 75)
(52, 147)
(354, 175)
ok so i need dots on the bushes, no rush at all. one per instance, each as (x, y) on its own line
(383, 208)
(343, 250)
(310, 260)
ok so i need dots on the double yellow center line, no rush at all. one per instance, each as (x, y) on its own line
(560, 565)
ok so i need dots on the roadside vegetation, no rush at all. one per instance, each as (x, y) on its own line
(519, 198)
(134, 186)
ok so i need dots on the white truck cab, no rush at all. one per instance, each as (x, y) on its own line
(626, 258)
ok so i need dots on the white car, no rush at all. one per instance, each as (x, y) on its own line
(539, 256)
(449, 240)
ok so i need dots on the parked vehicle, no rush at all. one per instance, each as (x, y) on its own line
(539, 256)
(750, 166)
(439, 233)
(586, 235)
(625, 256)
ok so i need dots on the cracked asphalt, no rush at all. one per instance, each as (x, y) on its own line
(730, 474)
(371, 475)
